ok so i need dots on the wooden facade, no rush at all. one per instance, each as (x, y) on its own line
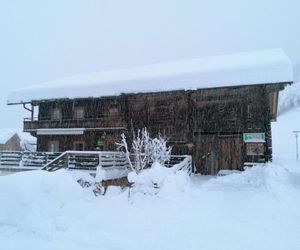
(207, 123)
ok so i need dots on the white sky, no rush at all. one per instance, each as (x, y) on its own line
(45, 40)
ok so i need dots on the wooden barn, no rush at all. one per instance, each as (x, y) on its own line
(218, 109)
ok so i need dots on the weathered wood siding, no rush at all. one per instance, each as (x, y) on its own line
(207, 123)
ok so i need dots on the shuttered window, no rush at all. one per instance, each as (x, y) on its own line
(78, 113)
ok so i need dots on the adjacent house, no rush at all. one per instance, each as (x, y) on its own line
(217, 109)
(15, 140)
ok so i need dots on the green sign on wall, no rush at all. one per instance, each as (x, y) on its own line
(254, 137)
(100, 143)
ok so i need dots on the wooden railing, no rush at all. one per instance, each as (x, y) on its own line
(25, 159)
(88, 160)
(30, 125)
(182, 162)
(78, 160)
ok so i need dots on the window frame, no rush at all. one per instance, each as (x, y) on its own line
(56, 114)
(77, 143)
(55, 144)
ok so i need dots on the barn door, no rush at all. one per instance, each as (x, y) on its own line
(213, 153)
(206, 154)
(230, 152)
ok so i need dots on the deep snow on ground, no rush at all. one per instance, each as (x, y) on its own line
(284, 141)
(257, 209)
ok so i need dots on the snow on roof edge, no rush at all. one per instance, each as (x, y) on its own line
(247, 68)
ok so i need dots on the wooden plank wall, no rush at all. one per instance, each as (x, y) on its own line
(206, 123)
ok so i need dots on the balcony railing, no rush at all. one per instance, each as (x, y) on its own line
(104, 122)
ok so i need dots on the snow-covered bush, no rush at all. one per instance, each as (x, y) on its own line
(140, 149)
(158, 151)
(158, 180)
(145, 150)
(154, 152)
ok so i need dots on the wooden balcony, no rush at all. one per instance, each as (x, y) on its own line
(104, 122)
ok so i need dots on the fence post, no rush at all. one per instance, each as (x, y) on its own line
(114, 159)
(46, 158)
(68, 160)
(21, 158)
(100, 161)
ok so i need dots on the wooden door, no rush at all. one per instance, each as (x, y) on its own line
(230, 152)
(206, 154)
(213, 153)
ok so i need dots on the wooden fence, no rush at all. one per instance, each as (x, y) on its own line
(25, 159)
(77, 160)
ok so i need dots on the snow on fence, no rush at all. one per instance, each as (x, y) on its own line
(182, 162)
(78, 160)
(87, 160)
(25, 159)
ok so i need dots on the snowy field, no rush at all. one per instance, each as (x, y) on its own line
(258, 209)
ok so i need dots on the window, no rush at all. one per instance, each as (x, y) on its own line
(78, 145)
(255, 148)
(53, 146)
(78, 113)
(249, 111)
(56, 114)
(113, 111)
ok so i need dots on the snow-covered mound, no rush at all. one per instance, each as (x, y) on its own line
(159, 180)
(289, 98)
(273, 178)
(28, 198)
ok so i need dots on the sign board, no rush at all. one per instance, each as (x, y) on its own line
(100, 143)
(254, 137)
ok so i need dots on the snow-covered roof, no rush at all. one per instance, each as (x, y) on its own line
(247, 68)
(6, 134)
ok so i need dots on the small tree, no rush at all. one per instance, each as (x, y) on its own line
(145, 150)
(158, 150)
(140, 145)
(123, 144)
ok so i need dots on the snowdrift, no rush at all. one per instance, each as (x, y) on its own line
(159, 180)
(271, 179)
(289, 98)
(53, 211)
(30, 199)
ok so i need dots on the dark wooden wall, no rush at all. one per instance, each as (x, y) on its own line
(207, 123)
(93, 107)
